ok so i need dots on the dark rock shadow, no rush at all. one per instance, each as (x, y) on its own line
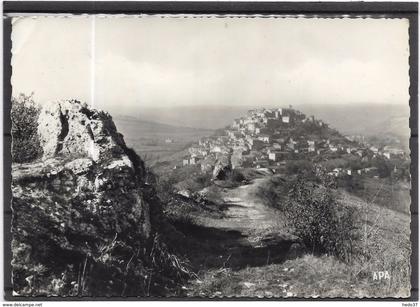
(208, 247)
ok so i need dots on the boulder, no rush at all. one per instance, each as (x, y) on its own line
(222, 168)
(72, 128)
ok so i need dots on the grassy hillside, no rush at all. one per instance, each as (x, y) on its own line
(385, 246)
(384, 192)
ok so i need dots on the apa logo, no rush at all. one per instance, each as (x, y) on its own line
(381, 275)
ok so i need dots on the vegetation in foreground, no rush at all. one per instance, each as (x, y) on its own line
(385, 246)
(347, 240)
(25, 140)
(316, 218)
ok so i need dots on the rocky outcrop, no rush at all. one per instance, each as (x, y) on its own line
(71, 128)
(222, 168)
(81, 215)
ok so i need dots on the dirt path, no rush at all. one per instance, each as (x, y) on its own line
(251, 235)
(247, 214)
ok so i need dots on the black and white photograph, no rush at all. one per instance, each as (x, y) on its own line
(210, 156)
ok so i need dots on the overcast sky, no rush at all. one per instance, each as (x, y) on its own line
(151, 61)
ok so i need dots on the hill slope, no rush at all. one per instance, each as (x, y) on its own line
(348, 118)
(385, 244)
(153, 141)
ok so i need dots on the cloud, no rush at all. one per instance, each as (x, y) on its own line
(155, 61)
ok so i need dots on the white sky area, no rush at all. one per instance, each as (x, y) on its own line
(153, 61)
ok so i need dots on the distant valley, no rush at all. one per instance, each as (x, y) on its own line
(149, 127)
(153, 141)
(368, 120)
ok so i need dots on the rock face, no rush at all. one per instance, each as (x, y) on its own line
(81, 221)
(71, 128)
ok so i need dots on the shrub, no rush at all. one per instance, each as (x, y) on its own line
(25, 140)
(384, 167)
(324, 226)
(298, 166)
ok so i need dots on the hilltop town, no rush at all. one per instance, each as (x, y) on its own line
(270, 138)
